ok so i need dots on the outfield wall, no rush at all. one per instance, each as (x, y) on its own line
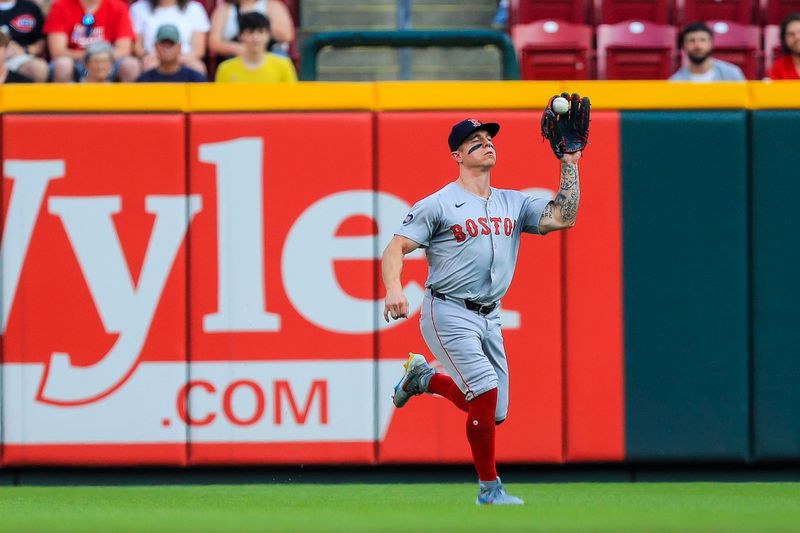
(190, 274)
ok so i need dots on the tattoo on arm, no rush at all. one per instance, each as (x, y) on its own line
(569, 194)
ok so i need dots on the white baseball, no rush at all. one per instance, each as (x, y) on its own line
(560, 105)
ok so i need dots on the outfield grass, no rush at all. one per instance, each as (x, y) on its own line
(406, 508)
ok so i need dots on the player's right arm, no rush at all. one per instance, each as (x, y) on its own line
(391, 268)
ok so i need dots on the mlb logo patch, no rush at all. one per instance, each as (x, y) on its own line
(409, 218)
(23, 23)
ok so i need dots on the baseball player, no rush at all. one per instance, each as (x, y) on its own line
(470, 232)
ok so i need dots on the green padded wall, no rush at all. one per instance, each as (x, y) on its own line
(685, 263)
(776, 284)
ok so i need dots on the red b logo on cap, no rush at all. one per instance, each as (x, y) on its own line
(475, 122)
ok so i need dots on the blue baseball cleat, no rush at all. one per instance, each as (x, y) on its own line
(414, 381)
(493, 493)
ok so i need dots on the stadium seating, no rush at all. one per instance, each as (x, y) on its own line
(524, 11)
(775, 10)
(635, 50)
(553, 50)
(738, 44)
(772, 45)
(740, 11)
(294, 10)
(635, 39)
(613, 11)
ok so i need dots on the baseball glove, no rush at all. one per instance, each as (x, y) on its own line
(569, 132)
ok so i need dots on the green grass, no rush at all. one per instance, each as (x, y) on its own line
(407, 508)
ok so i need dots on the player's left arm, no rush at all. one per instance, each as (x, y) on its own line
(562, 212)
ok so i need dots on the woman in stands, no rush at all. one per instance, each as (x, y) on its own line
(787, 67)
(189, 16)
(222, 39)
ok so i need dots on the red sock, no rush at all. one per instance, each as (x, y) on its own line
(443, 385)
(480, 433)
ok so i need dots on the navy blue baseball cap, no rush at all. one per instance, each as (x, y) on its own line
(467, 127)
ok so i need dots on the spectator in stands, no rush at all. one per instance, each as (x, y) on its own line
(99, 63)
(223, 38)
(189, 16)
(6, 75)
(23, 20)
(72, 25)
(697, 42)
(501, 15)
(787, 67)
(255, 64)
(168, 52)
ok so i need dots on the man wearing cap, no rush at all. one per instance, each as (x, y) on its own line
(470, 232)
(168, 52)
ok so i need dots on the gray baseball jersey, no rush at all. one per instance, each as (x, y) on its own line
(471, 244)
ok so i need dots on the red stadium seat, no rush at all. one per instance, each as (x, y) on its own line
(772, 45)
(738, 44)
(210, 5)
(553, 50)
(775, 10)
(635, 50)
(613, 11)
(524, 11)
(740, 11)
(294, 9)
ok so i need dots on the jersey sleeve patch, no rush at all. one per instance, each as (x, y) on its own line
(421, 222)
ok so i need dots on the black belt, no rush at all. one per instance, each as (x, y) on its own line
(483, 309)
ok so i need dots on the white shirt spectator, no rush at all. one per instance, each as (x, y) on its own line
(231, 30)
(146, 22)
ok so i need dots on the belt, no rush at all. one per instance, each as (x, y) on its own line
(483, 309)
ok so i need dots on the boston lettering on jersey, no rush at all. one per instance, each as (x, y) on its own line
(498, 224)
(472, 243)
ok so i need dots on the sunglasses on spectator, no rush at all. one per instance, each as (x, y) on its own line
(167, 41)
(88, 22)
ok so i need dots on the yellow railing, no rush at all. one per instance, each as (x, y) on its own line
(389, 96)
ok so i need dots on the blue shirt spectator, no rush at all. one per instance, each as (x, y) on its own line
(183, 75)
(168, 52)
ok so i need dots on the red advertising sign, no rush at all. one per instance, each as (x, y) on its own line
(595, 429)
(94, 288)
(282, 288)
(212, 296)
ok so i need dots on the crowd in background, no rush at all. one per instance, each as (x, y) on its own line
(97, 41)
(696, 41)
